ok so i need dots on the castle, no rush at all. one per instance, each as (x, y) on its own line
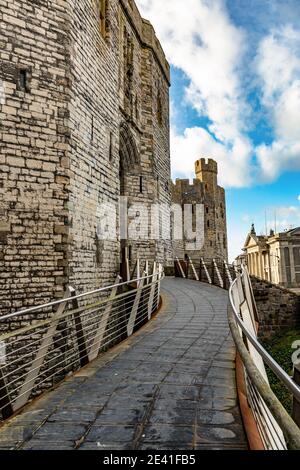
(205, 193)
(84, 114)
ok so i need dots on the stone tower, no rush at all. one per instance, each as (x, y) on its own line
(207, 173)
(84, 110)
(206, 192)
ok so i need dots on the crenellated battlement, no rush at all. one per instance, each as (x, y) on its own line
(204, 190)
(185, 183)
(206, 165)
(207, 172)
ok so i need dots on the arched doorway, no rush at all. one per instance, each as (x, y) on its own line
(129, 166)
(129, 157)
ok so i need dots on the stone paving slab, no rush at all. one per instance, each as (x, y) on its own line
(169, 387)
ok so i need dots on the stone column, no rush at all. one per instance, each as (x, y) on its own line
(293, 271)
(270, 268)
(250, 263)
(281, 268)
(256, 265)
(262, 266)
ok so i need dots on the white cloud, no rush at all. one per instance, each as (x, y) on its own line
(246, 218)
(281, 155)
(278, 65)
(287, 217)
(195, 142)
(278, 62)
(201, 40)
(298, 198)
(287, 113)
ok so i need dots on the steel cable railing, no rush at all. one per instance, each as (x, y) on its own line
(276, 428)
(45, 372)
(47, 342)
(72, 336)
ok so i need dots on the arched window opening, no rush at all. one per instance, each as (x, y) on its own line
(141, 185)
(129, 157)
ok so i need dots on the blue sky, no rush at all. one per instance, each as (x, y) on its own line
(235, 97)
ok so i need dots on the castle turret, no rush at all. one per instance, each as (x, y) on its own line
(207, 172)
(203, 191)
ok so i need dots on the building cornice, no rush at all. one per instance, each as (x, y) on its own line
(146, 36)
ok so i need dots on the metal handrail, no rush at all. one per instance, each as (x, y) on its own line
(70, 299)
(96, 307)
(274, 366)
(87, 330)
(287, 425)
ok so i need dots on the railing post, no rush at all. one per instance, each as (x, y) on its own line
(5, 403)
(147, 271)
(224, 276)
(83, 354)
(218, 274)
(212, 273)
(227, 271)
(160, 272)
(138, 271)
(193, 269)
(180, 268)
(133, 271)
(206, 271)
(31, 377)
(296, 404)
(98, 339)
(152, 291)
(200, 271)
(134, 311)
(250, 295)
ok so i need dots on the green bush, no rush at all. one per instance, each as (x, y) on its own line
(280, 348)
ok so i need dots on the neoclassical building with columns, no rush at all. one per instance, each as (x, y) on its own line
(274, 258)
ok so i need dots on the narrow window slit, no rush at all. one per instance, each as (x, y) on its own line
(141, 185)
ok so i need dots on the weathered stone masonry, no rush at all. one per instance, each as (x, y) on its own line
(34, 171)
(85, 117)
(204, 191)
(278, 308)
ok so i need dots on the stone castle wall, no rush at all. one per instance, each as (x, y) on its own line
(278, 308)
(74, 93)
(205, 191)
(93, 127)
(33, 145)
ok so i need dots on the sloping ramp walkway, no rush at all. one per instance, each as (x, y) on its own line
(170, 386)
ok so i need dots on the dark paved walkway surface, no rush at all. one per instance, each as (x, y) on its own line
(171, 386)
